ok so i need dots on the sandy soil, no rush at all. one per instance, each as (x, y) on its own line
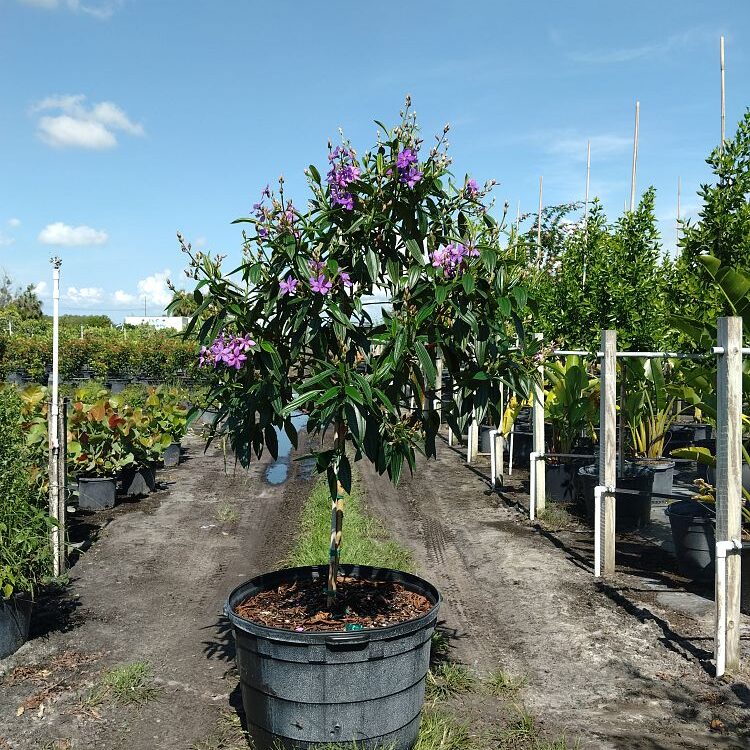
(151, 588)
(606, 662)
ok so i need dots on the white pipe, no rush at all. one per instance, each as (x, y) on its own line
(533, 458)
(722, 548)
(510, 451)
(493, 459)
(55, 344)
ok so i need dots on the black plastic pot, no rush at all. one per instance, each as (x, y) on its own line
(96, 493)
(307, 690)
(172, 455)
(137, 482)
(117, 385)
(484, 438)
(559, 481)
(16, 378)
(663, 474)
(694, 537)
(15, 617)
(631, 511)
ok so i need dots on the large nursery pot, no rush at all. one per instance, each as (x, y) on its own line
(559, 480)
(305, 690)
(172, 455)
(694, 537)
(631, 511)
(138, 481)
(15, 617)
(484, 438)
(663, 474)
(117, 385)
(96, 493)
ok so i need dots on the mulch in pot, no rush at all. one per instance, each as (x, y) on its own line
(360, 604)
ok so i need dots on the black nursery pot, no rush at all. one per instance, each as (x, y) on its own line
(96, 493)
(172, 455)
(631, 511)
(559, 481)
(138, 482)
(309, 690)
(15, 618)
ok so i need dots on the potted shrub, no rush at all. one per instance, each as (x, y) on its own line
(98, 451)
(571, 406)
(291, 329)
(146, 441)
(24, 527)
(171, 417)
(650, 412)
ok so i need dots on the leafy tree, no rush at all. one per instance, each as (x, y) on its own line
(28, 304)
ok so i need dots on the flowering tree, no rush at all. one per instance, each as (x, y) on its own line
(300, 324)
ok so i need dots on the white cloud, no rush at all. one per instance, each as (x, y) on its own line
(199, 242)
(40, 289)
(101, 9)
(85, 296)
(123, 298)
(63, 234)
(5, 240)
(602, 146)
(14, 223)
(76, 124)
(154, 288)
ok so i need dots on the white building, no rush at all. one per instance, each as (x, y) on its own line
(159, 322)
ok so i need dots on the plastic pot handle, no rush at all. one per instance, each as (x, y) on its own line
(348, 640)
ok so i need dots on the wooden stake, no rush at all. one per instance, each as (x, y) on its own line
(635, 156)
(607, 443)
(723, 95)
(729, 472)
(537, 416)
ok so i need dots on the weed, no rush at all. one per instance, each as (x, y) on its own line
(439, 646)
(225, 513)
(503, 685)
(228, 734)
(127, 684)
(440, 731)
(448, 679)
(559, 744)
(556, 517)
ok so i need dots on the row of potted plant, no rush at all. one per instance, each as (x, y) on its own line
(110, 439)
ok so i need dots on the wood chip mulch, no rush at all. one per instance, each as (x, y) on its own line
(301, 606)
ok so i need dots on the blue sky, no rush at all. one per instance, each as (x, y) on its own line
(123, 121)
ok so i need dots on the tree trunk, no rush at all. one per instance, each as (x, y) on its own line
(337, 521)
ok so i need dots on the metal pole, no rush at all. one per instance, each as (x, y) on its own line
(539, 224)
(54, 427)
(586, 211)
(635, 156)
(723, 95)
(729, 486)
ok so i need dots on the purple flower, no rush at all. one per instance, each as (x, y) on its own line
(289, 286)
(228, 351)
(411, 176)
(342, 173)
(346, 280)
(406, 158)
(316, 266)
(472, 189)
(320, 284)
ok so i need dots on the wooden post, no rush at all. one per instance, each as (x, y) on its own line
(608, 442)
(537, 417)
(635, 156)
(729, 472)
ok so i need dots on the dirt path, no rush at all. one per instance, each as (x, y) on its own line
(604, 663)
(151, 588)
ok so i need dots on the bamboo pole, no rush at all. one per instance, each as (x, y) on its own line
(337, 522)
(635, 156)
(539, 225)
(53, 425)
(586, 210)
(723, 95)
(729, 478)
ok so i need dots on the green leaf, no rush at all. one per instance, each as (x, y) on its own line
(345, 473)
(441, 293)
(425, 360)
(314, 173)
(415, 250)
(467, 281)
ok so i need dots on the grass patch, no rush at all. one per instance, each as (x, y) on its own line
(503, 685)
(129, 684)
(225, 513)
(440, 646)
(448, 679)
(228, 734)
(556, 517)
(441, 731)
(365, 540)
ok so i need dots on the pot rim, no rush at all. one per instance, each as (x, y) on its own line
(331, 636)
